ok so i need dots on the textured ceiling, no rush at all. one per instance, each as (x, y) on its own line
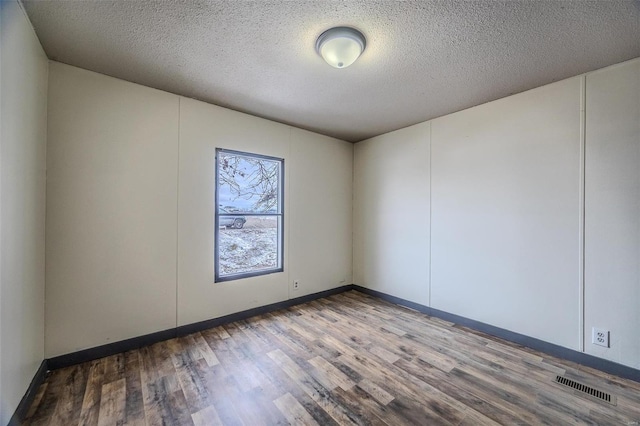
(423, 59)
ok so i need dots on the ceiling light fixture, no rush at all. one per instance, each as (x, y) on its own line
(340, 46)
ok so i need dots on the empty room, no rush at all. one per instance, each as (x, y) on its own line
(320, 212)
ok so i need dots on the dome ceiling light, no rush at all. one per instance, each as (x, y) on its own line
(340, 46)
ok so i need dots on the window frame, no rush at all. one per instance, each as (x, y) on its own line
(279, 215)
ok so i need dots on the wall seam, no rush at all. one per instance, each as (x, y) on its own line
(286, 223)
(430, 207)
(1, 216)
(178, 204)
(44, 257)
(582, 212)
(353, 213)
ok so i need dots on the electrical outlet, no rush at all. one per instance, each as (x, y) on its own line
(296, 284)
(600, 337)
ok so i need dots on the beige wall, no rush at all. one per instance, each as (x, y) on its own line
(317, 206)
(111, 214)
(391, 213)
(23, 120)
(505, 213)
(507, 193)
(130, 217)
(612, 220)
(320, 206)
(203, 128)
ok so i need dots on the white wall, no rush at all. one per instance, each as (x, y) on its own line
(612, 220)
(23, 120)
(507, 213)
(391, 213)
(321, 214)
(505, 205)
(203, 128)
(317, 198)
(495, 196)
(112, 169)
(130, 218)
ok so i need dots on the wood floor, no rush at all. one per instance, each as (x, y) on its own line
(346, 359)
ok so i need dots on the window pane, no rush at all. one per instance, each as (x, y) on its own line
(248, 184)
(249, 215)
(249, 246)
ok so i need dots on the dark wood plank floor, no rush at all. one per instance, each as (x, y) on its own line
(346, 359)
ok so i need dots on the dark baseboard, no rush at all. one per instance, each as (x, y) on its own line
(110, 349)
(183, 330)
(30, 394)
(149, 339)
(520, 339)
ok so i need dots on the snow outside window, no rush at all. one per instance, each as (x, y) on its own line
(249, 215)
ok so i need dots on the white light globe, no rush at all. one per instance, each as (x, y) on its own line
(340, 46)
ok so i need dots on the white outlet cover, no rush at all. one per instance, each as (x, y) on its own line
(600, 337)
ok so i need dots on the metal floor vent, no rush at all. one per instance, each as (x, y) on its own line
(588, 390)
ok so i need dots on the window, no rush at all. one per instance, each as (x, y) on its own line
(249, 215)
